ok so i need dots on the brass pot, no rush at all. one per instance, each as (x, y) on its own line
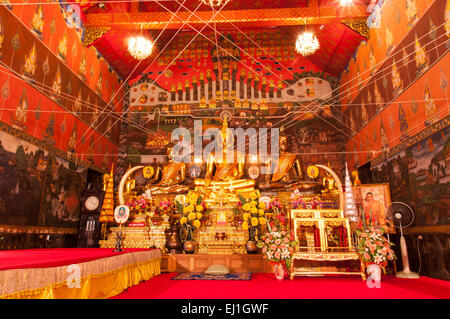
(189, 246)
(174, 242)
(251, 247)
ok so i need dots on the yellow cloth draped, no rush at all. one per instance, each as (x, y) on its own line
(285, 162)
(94, 286)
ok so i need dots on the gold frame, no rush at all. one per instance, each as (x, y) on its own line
(386, 194)
(322, 217)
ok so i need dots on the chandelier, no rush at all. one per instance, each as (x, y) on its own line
(307, 43)
(215, 3)
(140, 47)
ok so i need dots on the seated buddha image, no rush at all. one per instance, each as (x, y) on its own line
(287, 172)
(172, 175)
(329, 183)
(223, 178)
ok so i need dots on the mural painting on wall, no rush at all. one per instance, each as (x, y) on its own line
(37, 188)
(404, 58)
(53, 71)
(420, 176)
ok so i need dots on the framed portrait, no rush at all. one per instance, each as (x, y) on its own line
(374, 200)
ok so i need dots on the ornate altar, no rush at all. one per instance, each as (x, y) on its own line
(222, 236)
(324, 238)
(138, 234)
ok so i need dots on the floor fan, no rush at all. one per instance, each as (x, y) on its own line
(403, 217)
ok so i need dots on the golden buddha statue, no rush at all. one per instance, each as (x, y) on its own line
(288, 173)
(223, 182)
(329, 183)
(172, 175)
(356, 180)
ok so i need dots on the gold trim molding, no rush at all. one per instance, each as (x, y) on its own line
(359, 26)
(92, 34)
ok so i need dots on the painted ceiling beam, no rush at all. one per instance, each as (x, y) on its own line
(250, 18)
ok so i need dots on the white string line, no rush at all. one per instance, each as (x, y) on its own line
(196, 117)
(361, 132)
(302, 153)
(248, 54)
(374, 78)
(79, 3)
(180, 51)
(359, 75)
(350, 129)
(245, 52)
(50, 92)
(215, 30)
(234, 44)
(319, 103)
(128, 77)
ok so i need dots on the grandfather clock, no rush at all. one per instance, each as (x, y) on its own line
(91, 206)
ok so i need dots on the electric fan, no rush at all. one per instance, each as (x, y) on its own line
(403, 217)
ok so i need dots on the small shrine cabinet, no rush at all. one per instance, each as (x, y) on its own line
(324, 243)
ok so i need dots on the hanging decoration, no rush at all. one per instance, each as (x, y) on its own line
(350, 209)
(140, 47)
(307, 43)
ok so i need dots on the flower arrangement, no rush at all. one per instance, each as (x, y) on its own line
(254, 214)
(278, 245)
(190, 211)
(164, 207)
(274, 204)
(305, 202)
(373, 247)
(138, 203)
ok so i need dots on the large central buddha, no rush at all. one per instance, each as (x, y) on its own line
(223, 183)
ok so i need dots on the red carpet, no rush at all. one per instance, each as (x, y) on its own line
(53, 257)
(265, 286)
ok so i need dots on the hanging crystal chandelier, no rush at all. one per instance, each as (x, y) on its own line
(140, 47)
(307, 43)
(215, 3)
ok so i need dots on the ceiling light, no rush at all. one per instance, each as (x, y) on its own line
(307, 43)
(140, 47)
(346, 2)
(215, 3)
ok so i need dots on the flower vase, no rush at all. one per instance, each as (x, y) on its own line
(279, 270)
(250, 246)
(189, 244)
(375, 270)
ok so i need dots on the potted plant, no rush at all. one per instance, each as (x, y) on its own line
(190, 210)
(278, 245)
(374, 248)
(253, 217)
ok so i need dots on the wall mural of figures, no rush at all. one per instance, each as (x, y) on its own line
(55, 79)
(418, 109)
(420, 176)
(37, 188)
(413, 70)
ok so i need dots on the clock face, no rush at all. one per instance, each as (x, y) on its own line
(91, 203)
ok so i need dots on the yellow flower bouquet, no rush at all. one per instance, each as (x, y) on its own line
(191, 210)
(253, 214)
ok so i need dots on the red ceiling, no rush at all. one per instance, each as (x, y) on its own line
(337, 41)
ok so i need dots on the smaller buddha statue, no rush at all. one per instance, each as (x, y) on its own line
(356, 180)
(329, 183)
(172, 176)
